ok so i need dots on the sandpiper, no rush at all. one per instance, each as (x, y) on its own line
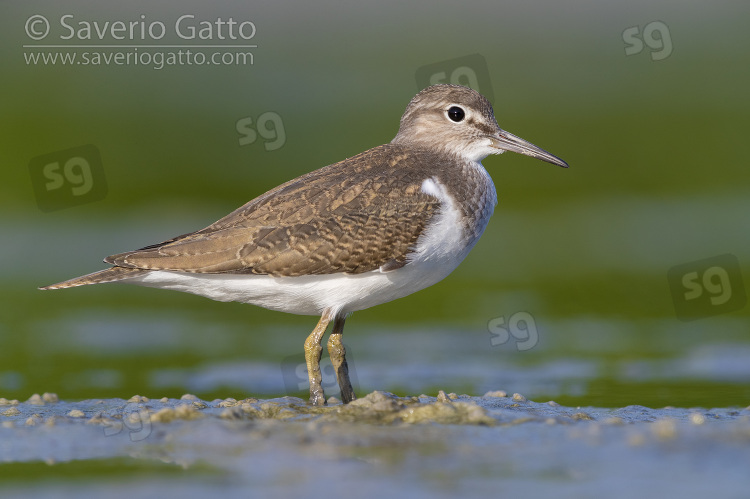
(364, 231)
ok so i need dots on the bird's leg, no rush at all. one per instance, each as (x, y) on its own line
(337, 352)
(313, 351)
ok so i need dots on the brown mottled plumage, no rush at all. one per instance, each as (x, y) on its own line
(352, 217)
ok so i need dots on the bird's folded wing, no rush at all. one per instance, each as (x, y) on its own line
(355, 216)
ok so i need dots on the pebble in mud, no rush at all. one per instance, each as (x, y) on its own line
(50, 398)
(13, 411)
(496, 393)
(582, 416)
(664, 429)
(286, 408)
(170, 414)
(34, 420)
(455, 413)
(35, 399)
(442, 397)
(138, 417)
(697, 418)
(614, 421)
(100, 419)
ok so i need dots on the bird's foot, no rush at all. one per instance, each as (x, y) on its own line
(317, 397)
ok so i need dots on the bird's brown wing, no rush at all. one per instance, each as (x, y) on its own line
(353, 216)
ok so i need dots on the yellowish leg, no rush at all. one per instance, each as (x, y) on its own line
(337, 352)
(313, 351)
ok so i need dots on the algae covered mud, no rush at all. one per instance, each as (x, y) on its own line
(380, 444)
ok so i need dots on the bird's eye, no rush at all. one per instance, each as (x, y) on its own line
(456, 114)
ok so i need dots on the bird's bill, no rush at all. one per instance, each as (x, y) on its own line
(505, 141)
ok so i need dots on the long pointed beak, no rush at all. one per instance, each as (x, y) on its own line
(508, 142)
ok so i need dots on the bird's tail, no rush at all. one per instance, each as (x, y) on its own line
(106, 275)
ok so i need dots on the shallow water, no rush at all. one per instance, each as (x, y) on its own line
(381, 444)
(108, 351)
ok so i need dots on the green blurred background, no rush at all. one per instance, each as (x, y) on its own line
(656, 141)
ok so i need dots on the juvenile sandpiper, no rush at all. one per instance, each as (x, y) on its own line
(364, 231)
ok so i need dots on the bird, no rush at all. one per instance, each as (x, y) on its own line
(358, 233)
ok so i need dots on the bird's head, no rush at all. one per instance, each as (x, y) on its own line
(460, 121)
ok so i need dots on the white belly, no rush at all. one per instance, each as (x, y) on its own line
(304, 295)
